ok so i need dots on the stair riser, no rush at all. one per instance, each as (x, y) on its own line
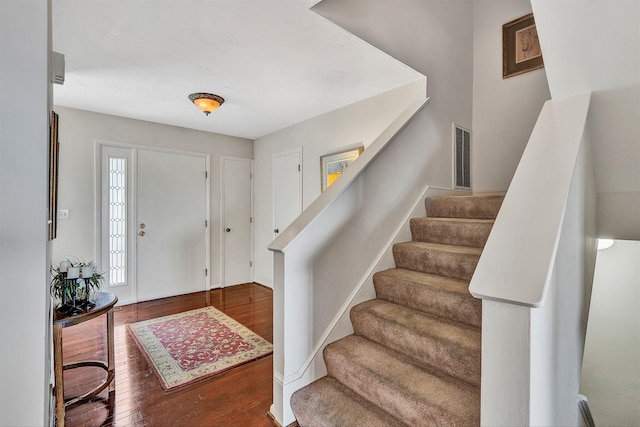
(453, 360)
(455, 265)
(411, 409)
(458, 308)
(471, 234)
(464, 207)
(326, 402)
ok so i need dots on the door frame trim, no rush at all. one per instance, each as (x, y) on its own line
(251, 162)
(98, 144)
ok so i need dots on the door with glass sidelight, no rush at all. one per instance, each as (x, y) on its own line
(154, 222)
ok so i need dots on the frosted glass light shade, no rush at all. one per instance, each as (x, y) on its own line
(604, 243)
(207, 102)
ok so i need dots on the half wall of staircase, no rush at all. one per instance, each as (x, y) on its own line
(535, 276)
(316, 274)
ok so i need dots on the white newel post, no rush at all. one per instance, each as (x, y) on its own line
(293, 328)
(505, 353)
(277, 409)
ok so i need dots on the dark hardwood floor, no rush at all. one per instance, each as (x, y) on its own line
(238, 397)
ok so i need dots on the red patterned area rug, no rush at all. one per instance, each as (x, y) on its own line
(191, 346)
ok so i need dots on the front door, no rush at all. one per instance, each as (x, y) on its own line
(154, 223)
(171, 227)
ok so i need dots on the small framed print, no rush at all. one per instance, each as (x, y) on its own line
(520, 47)
(332, 165)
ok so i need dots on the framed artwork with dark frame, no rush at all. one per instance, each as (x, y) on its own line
(54, 150)
(520, 47)
(332, 165)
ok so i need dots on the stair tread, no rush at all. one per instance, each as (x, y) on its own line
(467, 250)
(451, 231)
(472, 206)
(440, 296)
(471, 197)
(333, 404)
(447, 284)
(497, 194)
(449, 347)
(407, 391)
(423, 324)
(454, 220)
(446, 260)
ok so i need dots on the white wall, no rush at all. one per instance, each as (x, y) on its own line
(435, 39)
(573, 276)
(355, 125)
(323, 265)
(78, 131)
(611, 368)
(607, 63)
(613, 204)
(25, 363)
(504, 110)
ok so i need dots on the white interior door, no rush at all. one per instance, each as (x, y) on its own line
(287, 188)
(170, 226)
(236, 221)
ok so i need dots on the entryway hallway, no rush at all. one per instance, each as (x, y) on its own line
(238, 397)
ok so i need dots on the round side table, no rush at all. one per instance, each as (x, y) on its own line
(104, 305)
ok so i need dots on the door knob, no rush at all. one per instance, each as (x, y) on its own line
(142, 225)
(227, 230)
(277, 230)
(142, 233)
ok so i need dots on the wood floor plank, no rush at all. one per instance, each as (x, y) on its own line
(238, 397)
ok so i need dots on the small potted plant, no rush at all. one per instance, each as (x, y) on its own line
(72, 284)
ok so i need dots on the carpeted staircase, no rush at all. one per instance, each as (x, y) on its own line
(414, 358)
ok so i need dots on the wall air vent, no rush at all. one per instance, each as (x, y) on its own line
(57, 68)
(462, 157)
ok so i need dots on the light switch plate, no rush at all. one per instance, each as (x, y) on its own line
(63, 214)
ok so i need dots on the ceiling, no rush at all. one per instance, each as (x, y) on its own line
(275, 62)
(578, 61)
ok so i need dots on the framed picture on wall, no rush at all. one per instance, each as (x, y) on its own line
(520, 47)
(332, 165)
(54, 150)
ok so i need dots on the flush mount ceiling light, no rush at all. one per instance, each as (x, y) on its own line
(207, 102)
(604, 243)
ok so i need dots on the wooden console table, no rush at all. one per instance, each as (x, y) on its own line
(104, 304)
